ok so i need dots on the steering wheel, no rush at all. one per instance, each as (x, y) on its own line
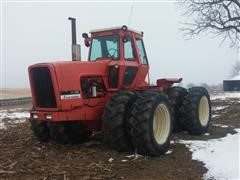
(112, 55)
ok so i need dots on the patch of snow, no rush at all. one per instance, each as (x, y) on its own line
(219, 108)
(172, 142)
(130, 156)
(220, 125)
(206, 134)
(215, 115)
(169, 151)
(220, 156)
(225, 95)
(13, 114)
(110, 160)
(124, 160)
(135, 156)
(2, 125)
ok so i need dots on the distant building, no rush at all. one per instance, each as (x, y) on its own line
(232, 84)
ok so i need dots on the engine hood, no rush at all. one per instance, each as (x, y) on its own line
(68, 73)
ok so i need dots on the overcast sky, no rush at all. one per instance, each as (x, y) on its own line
(40, 32)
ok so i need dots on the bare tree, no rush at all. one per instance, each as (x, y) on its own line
(218, 17)
(205, 85)
(235, 71)
(190, 85)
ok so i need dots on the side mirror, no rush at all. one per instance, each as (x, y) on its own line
(86, 39)
(84, 35)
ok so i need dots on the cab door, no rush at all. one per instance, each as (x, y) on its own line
(143, 68)
(131, 65)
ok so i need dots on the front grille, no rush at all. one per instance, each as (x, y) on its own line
(42, 84)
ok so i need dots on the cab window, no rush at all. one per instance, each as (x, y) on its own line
(105, 47)
(141, 51)
(128, 48)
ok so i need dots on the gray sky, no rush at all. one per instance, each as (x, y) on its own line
(40, 32)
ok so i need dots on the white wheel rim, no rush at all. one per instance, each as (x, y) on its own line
(203, 112)
(161, 123)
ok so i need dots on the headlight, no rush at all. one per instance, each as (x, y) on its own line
(49, 116)
(35, 116)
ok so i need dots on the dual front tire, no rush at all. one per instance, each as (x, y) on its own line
(62, 132)
(191, 109)
(40, 130)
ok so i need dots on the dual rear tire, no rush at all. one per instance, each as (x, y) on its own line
(191, 109)
(176, 96)
(196, 111)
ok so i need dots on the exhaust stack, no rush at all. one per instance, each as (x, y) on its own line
(76, 49)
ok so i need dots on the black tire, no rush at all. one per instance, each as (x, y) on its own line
(40, 130)
(58, 133)
(68, 132)
(115, 117)
(192, 119)
(77, 133)
(142, 121)
(176, 95)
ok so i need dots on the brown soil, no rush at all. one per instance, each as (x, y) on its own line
(23, 157)
(14, 93)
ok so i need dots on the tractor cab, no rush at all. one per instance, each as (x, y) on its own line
(107, 43)
(123, 49)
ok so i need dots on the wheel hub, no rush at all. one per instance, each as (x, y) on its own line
(203, 112)
(161, 123)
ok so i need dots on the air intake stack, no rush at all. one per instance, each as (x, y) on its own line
(76, 49)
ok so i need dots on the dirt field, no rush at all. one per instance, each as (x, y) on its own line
(14, 93)
(23, 157)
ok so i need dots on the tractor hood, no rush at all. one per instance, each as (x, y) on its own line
(51, 80)
(68, 74)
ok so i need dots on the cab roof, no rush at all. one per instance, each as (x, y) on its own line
(115, 28)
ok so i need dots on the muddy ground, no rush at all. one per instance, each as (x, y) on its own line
(23, 157)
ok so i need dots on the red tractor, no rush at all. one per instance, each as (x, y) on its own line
(111, 93)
